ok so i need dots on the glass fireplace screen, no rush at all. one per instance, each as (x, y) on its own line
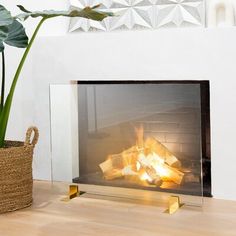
(126, 135)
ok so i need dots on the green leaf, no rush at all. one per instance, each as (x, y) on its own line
(13, 35)
(3, 32)
(12, 32)
(5, 16)
(23, 9)
(16, 36)
(3, 36)
(87, 12)
(5, 19)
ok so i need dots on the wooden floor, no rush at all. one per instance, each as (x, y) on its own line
(87, 215)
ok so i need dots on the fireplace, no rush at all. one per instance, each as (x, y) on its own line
(149, 135)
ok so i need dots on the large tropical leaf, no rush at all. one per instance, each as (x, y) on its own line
(16, 35)
(5, 16)
(87, 12)
(3, 36)
(13, 35)
(5, 20)
(3, 33)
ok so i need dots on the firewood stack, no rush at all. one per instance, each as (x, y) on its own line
(149, 161)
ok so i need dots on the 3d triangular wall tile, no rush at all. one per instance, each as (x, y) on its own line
(135, 14)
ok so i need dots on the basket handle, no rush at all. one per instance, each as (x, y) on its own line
(29, 134)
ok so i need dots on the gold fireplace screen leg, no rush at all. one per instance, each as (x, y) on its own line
(174, 204)
(73, 193)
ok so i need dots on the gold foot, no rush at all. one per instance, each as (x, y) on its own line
(174, 204)
(73, 193)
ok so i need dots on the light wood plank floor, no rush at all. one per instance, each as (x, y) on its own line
(88, 216)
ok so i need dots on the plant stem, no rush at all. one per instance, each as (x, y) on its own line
(3, 81)
(4, 116)
(24, 57)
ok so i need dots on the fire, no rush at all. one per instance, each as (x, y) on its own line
(161, 171)
(138, 166)
(157, 163)
(148, 161)
(145, 177)
(154, 161)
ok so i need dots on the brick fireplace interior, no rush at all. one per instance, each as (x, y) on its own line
(174, 115)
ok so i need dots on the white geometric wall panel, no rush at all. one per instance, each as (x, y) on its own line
(135, 14)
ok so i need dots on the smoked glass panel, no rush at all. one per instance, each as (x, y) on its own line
(142, 136)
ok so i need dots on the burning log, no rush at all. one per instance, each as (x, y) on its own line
(119, 165)
(173, 174)
(166, 172)
(128, 170)
(118, 173)
(151, 172)
(156, 179)
(120, 161)
(106, 166)
(130, 156)
(155, 146)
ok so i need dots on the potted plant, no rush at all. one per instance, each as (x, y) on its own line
(16, 157)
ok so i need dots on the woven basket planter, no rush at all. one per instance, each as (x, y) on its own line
(16, 182)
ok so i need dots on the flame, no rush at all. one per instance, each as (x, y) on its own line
(154, 161)
(157, 164)
(157, 158)
(145, 177)
(138, 166)
(161, 171)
